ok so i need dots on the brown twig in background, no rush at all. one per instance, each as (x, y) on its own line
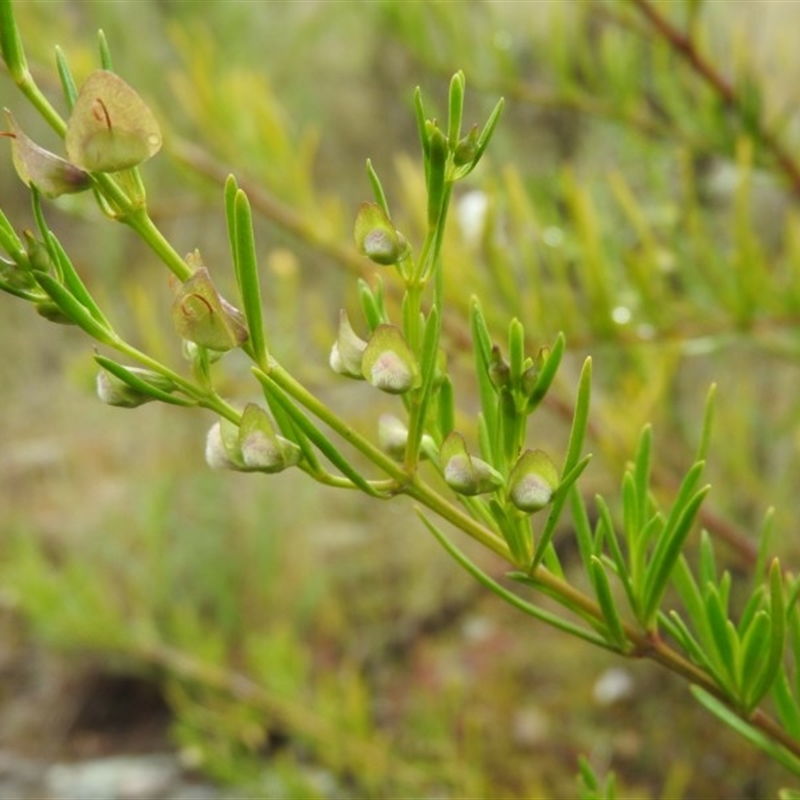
(684, 46)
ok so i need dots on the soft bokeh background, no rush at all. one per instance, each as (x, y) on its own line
(623, 208)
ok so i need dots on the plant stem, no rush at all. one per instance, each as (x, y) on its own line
(685, 47)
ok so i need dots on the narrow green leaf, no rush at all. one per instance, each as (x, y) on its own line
(607, 532)
(294, 434)
(559, 499)
(708, 562)
(105, 52)
(641, 474)
(755, 644)
(419, 112)
(73, 281)
(135, 382)
(68, 85)
(304, 424)
(605, 599)
(11, 44)
(247, 266)
(684, 582)
(708, 420)
(580, 417)
(437, 163)
(483, 140)
(456, 109)
(370, 305)
(677, 628)
(583, 530)
(430, 349)
(754, 605)
(666, 554)
(725, 640)
(787, 706)
(771, 665)
(753, 735)
(482, 347)
(74, 310)
(516, 349)
(764, 546)
(11, 243)
(377, 189)
(528, 608)
(446, 407)
(231, 189)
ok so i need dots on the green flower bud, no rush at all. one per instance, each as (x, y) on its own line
(467, 148)
(260, 447)
(38, 254)
(499, 369)
(50, 174)
(376, 237)
(201, 315)
(52, 313)
(388, 363)
(532, 482)
(348, 350)
(463, 473)
(115, 392)
(15, 276)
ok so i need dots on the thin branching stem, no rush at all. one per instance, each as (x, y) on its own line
(686, 48)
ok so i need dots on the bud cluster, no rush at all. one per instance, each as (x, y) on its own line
(251, 446)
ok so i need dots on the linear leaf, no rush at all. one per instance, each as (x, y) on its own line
(725, 640)
(559, 499)
(135, 382)
(326, 447)
(770, 666)
(539, 613)
(606, 524)
(666, 554)
(74, 310)
(247, 270)
(482, 346)
(73, 281)
(753, 735)
(786, 704)
(616, 632)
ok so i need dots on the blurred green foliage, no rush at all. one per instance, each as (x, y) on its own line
(625, 201)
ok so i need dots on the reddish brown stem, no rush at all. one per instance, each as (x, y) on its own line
(682, 44)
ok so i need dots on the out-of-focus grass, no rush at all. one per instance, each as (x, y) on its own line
(114, 535)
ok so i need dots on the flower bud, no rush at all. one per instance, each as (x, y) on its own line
(115, 392)
(50, 174)
(348, 350)
(388, 363)
(463, 473)
(499, 369)
(52, 313)
(222, 450)
(467, 148)
(376, 237)
(201, 315)
(392, 436)
(261, 448)
(532, 481)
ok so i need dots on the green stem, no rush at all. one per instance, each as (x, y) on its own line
(206, 398)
